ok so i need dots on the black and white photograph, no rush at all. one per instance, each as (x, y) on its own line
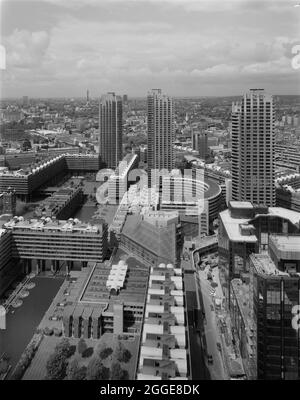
(149, 194)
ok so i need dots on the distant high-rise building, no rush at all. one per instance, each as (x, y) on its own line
(110, 129)
(87, 96)
(200, 144)
(9, 202)
(125, 98)
(160, 153)
(253, 149)
(25, 101)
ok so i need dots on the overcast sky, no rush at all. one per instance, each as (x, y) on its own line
(186, 47)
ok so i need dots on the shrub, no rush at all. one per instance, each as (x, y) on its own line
(56, 367)
(87, 352)
(48, 331)
(3, 366)
(104, 353)
(96, 370)
(64, 348)
(80, 375)
(57, 332)
(82, 346)
(126, 356)
(121, 353)
(117, 373)
(26, 357)
(75, 372)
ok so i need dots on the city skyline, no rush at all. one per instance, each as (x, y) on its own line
(189, 48)
(149, 192)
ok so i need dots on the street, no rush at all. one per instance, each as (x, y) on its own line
(211, 331)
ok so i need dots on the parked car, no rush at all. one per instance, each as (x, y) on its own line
(219, 346)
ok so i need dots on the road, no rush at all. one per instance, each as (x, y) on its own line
(211, 331)
(198, 369)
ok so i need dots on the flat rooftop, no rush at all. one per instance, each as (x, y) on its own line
(264, 265)
(241, 204)
(232, 226)
(286, 246)
(292, 216)
(71, 225)
(286, 242)
(125, 165)
(134, 288)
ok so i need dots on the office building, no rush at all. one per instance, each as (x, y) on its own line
(200, 144)
(153, 237)
(62, 204)
(253, 149)
(9, 268)
(36, 241)
(262, 311)
(28, 180)
(110, 129)
(160, 140)
(9, 202)
(287, 156)
(25, 101)
(112, 300)
(245, 229)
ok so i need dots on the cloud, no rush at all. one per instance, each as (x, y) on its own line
(26, 49)
(191, 44)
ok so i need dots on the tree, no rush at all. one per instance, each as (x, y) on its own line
(104, 351)
(121, 353)
(75, 372)
(56, 367)
(117, 373)
(3, 366)
(82, 346)
(87, 352)
(64, 348)
(96, 370)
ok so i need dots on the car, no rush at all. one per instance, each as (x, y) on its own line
(219, 346)
(210, 359)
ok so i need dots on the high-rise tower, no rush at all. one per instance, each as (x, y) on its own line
(110, 129)
(160, 153)
(200, 143)
(252, 159)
